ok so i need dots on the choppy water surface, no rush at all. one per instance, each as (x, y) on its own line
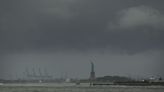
(74, 88)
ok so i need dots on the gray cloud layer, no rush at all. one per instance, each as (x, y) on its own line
(32, 32)
(141, 16)
(76, 24)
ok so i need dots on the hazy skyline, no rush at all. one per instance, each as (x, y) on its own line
(122, 37)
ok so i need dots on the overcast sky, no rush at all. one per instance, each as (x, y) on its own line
(121, 37)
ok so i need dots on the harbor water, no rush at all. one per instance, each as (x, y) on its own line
(76, 88)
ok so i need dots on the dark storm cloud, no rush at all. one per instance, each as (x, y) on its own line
(75, 24)
(59, 34)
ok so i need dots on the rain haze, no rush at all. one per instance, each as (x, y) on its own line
(121, 37)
